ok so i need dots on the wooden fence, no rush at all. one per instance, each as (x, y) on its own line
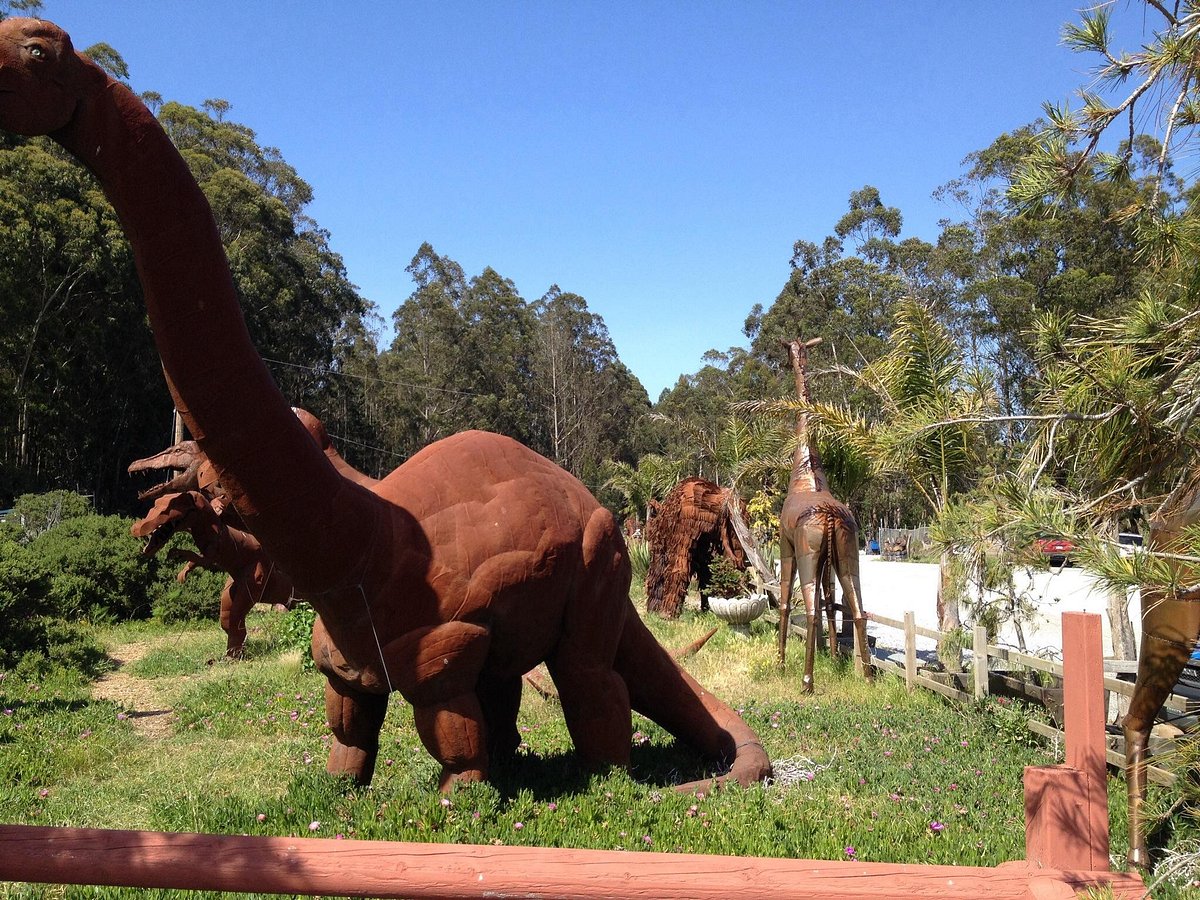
(984, 679)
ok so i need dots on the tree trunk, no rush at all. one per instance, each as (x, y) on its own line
(1124, 644)
(948, 615)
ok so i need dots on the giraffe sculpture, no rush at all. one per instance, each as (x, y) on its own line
(446, 581)
(818, 538)
(1170, 628)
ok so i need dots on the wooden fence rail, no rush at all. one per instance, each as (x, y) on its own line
(1066, 849)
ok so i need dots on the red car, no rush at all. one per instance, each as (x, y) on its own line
(1056, 549)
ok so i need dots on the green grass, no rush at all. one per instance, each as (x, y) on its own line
(867, 771)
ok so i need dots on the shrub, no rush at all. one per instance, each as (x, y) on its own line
(32, 641)
(35, 514)
(296, 633)
(198, 599)
(96, 570)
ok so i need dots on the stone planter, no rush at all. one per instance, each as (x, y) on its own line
(738, 612)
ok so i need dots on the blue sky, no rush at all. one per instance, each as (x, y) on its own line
(659, 159)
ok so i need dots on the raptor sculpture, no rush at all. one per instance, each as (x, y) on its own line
(817, 533)
(253, 577)
(446, 581)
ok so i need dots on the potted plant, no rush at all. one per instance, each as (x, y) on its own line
(730, 596)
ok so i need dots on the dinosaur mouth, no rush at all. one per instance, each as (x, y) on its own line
(158, 537)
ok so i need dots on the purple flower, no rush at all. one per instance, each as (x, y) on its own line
(936, 827)
(646, 839)
(262, 817)
(314, 826)
(851, 852)
(517, 826)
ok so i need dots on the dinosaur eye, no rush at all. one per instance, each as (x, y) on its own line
(37, 52)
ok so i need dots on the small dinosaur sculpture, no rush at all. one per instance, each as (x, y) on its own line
(447, 580)
(253, 578)
(817, 534)
(184, 456)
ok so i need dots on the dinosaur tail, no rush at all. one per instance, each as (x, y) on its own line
(663, 692)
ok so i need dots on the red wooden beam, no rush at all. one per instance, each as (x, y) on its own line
(1066, 807)
(318, 866)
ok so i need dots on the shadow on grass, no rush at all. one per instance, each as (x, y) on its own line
(552, 775)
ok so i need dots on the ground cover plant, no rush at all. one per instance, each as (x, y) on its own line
(179, 739)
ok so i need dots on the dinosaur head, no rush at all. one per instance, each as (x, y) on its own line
(168, 515)
(41, 77)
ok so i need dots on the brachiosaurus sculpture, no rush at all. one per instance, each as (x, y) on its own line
(817, 533)
(446, 581)
(1170, 629)
(253, 578)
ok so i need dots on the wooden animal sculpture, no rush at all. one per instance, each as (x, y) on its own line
(448, 580)
(253, 578)
(689, 527)
(1170, 629)
(817, 533)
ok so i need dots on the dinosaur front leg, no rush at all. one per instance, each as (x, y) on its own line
(235, 604)
(437, 669)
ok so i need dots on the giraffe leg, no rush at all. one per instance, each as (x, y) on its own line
(847, 573)
(786, 576)
(826, 599)
(1169, 629)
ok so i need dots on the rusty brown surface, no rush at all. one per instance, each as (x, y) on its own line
(688, 529)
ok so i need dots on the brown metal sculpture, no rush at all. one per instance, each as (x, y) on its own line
(817, 533)
(688, 528)
(253, 578)
(185, 457)
(446, 581)
(1170, 629)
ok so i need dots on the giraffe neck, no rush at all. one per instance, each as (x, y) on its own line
(808, 474)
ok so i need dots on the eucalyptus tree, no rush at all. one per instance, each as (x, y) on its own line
(589, 403)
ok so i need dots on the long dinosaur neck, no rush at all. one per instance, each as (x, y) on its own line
(807, 472)
(274, 474)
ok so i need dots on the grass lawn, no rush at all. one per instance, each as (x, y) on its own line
(188, 741)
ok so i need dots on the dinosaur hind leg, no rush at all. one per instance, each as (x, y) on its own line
(235, 604)
(595, 699)
(355, 718)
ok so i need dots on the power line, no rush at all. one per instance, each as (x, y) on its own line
(404, 384)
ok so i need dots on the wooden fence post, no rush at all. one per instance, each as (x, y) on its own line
(910, 651)
(1066, 807)
(979, 652)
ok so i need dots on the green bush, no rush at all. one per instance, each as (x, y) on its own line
(198, 599)
(96, 570)
(296, 633)
(32, 641)
(35, 514)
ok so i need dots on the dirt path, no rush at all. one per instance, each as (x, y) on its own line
(137, 696)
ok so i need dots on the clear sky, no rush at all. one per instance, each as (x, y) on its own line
(658, 158)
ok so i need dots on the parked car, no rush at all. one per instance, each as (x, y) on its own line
(1057, 550)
